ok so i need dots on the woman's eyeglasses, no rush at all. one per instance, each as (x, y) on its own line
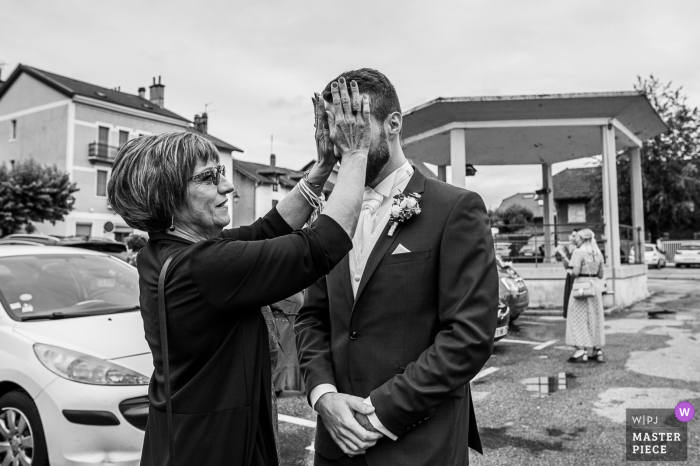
(213, 175)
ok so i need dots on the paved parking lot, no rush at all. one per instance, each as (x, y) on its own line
(653, 360)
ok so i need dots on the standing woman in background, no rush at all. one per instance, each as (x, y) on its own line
(585, 322)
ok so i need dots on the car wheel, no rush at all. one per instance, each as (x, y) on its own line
(22, 439)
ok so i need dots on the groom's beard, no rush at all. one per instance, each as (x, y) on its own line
(377, 159)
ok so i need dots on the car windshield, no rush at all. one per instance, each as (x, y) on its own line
(54, 286)
(690, 247)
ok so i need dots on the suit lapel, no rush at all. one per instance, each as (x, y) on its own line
(345, 278)
(415, 185)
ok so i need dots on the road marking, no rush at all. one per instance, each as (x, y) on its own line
(544, 345)
(485, 372)
(524, 342)
(296, 420)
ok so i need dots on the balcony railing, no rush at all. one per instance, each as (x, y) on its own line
(99, 152)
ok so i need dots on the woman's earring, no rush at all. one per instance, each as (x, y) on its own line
(172, 224)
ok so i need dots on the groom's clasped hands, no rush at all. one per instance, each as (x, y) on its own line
(345, 417)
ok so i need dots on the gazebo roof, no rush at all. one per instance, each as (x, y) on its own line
(529, 129)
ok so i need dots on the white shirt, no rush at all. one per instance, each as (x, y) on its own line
(370, 226)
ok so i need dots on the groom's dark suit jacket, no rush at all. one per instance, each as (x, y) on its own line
(420, 328)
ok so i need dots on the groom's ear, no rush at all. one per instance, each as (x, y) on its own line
(394, 124)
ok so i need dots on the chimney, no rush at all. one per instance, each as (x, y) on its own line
(157, 93)
(201, 123)
(273, 161)
(142, 92)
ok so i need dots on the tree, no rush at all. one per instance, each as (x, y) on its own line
(670, 166)
(511, 219)
(32, 192)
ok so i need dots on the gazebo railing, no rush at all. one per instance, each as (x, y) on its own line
(527, 243)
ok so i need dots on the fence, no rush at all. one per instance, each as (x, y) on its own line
(670, 247)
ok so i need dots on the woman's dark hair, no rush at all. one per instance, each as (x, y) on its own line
(384, 100)
(149, 178)
(135, 242)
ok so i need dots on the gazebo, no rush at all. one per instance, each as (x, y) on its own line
(543, 130)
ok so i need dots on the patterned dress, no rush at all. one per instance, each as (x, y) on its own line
(585, 319)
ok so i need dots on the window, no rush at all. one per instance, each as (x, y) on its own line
(103, 135)
(83, 229)
(123, 137)
(13, 130)
(577, 213)
(101, 186)
(274, 203)
(275, 187)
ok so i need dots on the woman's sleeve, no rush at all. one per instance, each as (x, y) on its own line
(272, 225)
(239, 274)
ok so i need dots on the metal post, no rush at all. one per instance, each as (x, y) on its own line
(548, 204)
(458, 157)
(637, 194)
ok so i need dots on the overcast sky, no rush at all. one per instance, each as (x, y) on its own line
(259, 62)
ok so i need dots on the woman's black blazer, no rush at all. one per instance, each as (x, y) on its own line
(218, 348)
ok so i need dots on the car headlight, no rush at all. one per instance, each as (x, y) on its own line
(502, 309)
(82, 368)
(509, 284)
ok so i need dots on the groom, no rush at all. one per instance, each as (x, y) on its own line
(390, 339)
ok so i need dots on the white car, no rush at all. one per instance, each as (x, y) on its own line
(74, 364)
(687, 255)
(652, 256)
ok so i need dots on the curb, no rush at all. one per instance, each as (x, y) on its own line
(680, 279)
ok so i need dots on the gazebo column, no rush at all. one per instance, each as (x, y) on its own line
(610, 206)
(442, 173)
(458, 156)
(637, 195)
(548, 204)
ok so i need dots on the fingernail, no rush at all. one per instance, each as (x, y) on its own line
(334, 85)
(353, 83)
(341, 80)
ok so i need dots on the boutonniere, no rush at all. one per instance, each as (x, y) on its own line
(404, 207)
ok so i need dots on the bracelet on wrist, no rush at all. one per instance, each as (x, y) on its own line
(306, 178)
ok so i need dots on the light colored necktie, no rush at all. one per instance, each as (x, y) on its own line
(371, 201)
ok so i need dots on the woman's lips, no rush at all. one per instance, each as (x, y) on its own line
(222, 204)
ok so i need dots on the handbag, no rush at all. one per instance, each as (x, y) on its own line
(584, 289)
(166, 360)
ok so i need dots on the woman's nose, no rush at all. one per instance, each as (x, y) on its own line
(225, 186)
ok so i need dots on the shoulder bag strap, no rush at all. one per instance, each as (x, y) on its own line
(166, 360)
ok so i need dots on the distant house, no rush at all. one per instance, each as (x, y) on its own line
(531, 201)
(572, 192)
(259, 187)
(79, 127)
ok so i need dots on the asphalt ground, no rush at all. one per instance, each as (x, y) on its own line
(652, 361)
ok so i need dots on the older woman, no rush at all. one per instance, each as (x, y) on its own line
(210, 393)
(585, 321)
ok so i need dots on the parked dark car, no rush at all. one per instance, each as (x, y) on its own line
(113, 248)
(18, 242)
(41, 239)
(108, 246)
(513, 288)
